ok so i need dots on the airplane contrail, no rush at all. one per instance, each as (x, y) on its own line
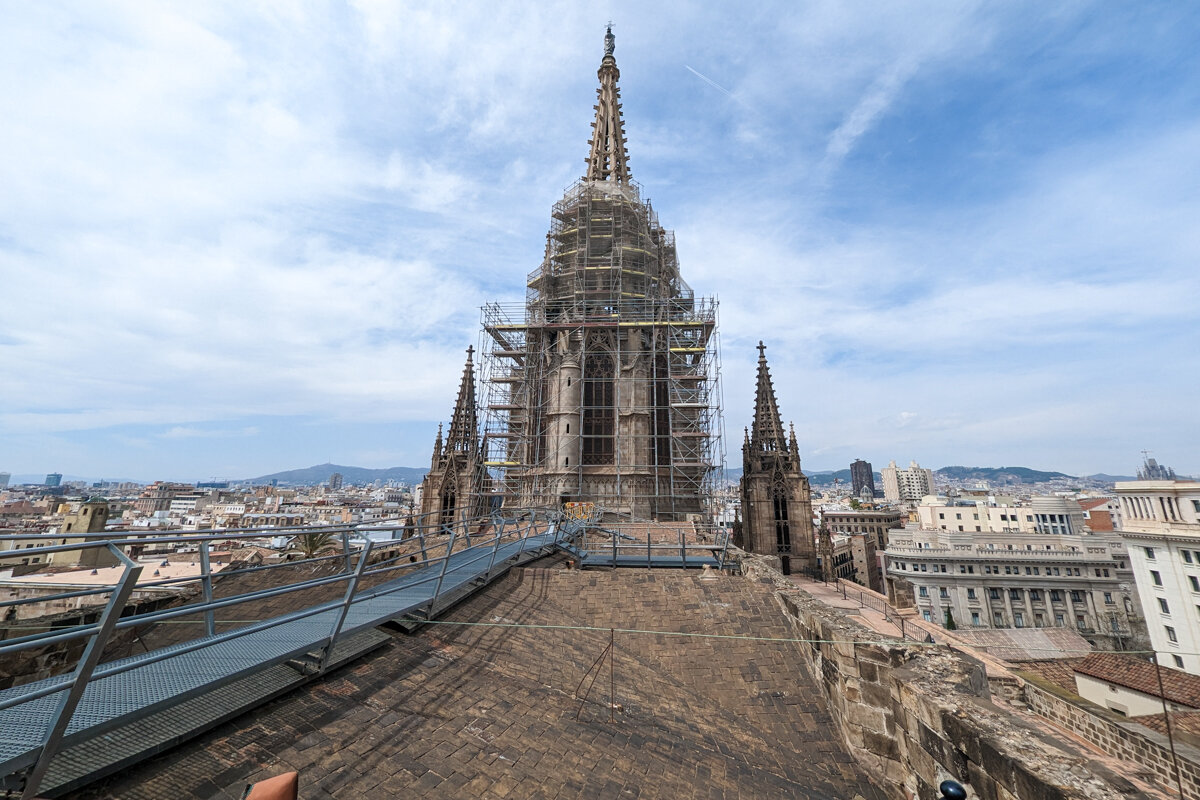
(709, 81)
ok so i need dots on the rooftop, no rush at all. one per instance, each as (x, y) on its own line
(471, 709)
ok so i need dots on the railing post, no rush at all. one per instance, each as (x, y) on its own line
(524, 535)
(437, 590)
(83, 671)
(210, 618)
(495, 549)
(614, 535)
(351, 588)
(649, 561)
(682, 549)
(424, 555)
(346, 549)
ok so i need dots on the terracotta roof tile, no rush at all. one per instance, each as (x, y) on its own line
(1134, 673)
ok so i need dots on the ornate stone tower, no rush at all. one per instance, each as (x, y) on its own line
(453, 487)
(602, 387)
(776, 499)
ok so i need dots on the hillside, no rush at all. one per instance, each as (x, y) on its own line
(351, 476)
(999, 475)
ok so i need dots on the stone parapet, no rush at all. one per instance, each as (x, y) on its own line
(914, 715)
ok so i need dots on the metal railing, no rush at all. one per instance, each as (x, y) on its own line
(414, 576)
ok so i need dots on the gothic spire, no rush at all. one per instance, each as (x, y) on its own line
(607, 160)
(767, 432)
(464, 429)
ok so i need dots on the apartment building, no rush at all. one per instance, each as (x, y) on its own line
(1019, 580)
(1161, 527)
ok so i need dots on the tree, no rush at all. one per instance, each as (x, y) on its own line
(311, 543)
(855, 504)
(950, 626)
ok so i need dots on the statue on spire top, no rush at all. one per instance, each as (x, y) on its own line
(610, 41)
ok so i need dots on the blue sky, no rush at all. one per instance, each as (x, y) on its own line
(237, 238)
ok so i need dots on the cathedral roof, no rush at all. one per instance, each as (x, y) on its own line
(607, 160)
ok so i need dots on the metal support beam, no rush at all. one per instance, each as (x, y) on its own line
(442, 575)
(348, 598)
(83, 672)
(210, 617)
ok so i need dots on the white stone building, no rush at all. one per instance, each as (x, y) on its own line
(1161, 528)
(906, 485)
(1019, 580)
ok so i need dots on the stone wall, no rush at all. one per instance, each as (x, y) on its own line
(1125, 740)
(916, 715)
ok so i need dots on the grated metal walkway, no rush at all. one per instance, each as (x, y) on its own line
(141, 689)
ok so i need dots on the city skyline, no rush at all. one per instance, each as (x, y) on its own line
(231, 239)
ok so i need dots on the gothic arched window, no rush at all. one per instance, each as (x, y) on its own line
(599, 409)
(783, 531)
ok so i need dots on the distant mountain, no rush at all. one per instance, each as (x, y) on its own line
(351, 476)
(1101, 476)
(999, 475)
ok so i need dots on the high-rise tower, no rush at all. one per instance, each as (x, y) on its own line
(602, 388)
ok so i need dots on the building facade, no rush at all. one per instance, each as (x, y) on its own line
(862, 479)
(602, 387)
(1050, 514)
(1008, 580)
(1161, 528)
(777, 516)
(875, 523)
(906, 485)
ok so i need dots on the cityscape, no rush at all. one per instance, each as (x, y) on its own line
(542, 570)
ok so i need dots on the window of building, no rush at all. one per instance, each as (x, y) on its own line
(975, 618)
(1039, 621)
(1076, 596)
(1149, 552)
(1056, 595)
(1187, 556)
(925, 615)
(1170, 633)
(943, 568)
(1018, 619)
(1178, 662)
(1079, 621)
(1108, 601)
(599, 411)
(970, 569)
(1154, 576)
(1163, 607)
(1195, 582)
(1059, 620)
(1014, 594)
(1029, 518)
(941, 515)
(943, 593)
(1106, 573)
(970, 594)
(1035, 594)
(923, 592)
(962, 569)
(994, 594)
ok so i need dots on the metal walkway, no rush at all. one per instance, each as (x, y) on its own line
(42, 718)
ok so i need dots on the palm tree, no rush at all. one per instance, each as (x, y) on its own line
(311, 543)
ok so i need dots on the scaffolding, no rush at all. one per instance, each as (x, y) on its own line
(604, 386)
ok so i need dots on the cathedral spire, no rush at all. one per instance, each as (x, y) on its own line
(607, 160)
(464, 429)
(767, 432)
